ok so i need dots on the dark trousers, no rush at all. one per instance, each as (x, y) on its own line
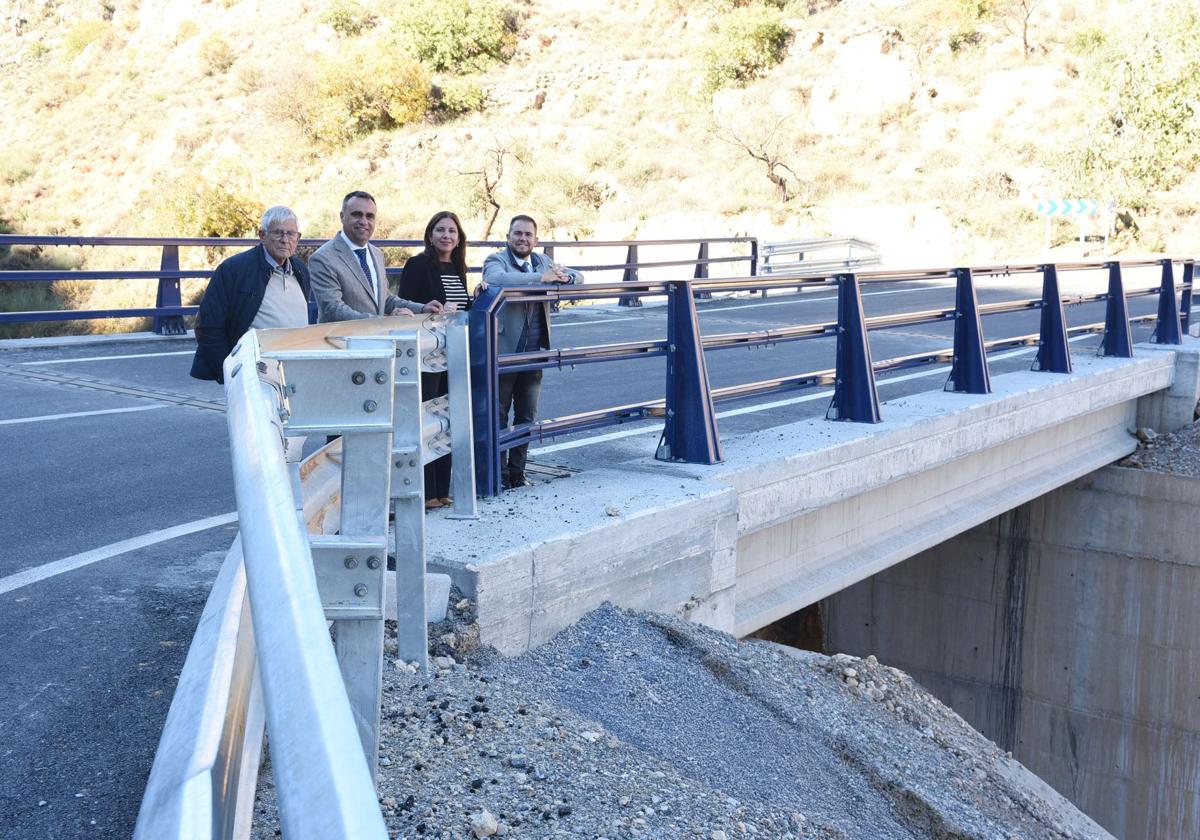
(437, 473)
(520, 392)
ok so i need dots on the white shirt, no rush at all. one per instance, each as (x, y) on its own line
(370, 262)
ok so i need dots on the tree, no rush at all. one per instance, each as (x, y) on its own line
(488, 179)
(1017, 15)
(767, 148)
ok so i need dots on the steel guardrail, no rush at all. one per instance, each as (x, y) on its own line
(273, 662)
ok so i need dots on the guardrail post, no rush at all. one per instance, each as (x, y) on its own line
(458, 375)
(630, 276)
(485, 393)
(408, 503)
(1185, 304)
(1166, 331)
(754, 257)
(1054, 354)
(969, 371)
(855, 397)
(1117, 340)
(168, 294)
(701, 272)
(690, 431)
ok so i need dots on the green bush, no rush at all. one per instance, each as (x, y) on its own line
(347, 17)
(1088, 41)
(84, 33)
(458, 36)
(365, 87)
(1143, 129)
(196, 206)
(747, 43)
(216, 56)
(457, 96)
(16, 165)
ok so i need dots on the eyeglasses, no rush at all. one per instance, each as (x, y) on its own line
(281, 235)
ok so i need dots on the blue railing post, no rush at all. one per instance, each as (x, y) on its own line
(855, 397)
(630, 276)
(1054, 353)
(1185, 303)
(969, 372)
(168, 294)
(701, 272)
(1117, 340)
(485, 392)
(1166, 331)
(690, 431)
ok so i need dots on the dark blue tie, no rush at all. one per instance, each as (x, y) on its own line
(361, 253)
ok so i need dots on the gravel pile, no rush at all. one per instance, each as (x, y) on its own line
(643, 725)
(1177, 453)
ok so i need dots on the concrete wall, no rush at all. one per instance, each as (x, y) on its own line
(1067, 630)
(537, 560)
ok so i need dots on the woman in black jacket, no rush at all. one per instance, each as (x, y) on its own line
(438, 273)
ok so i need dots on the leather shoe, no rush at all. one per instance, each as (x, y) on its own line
(516, 480)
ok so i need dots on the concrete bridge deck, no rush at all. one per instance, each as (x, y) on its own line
(802, 510)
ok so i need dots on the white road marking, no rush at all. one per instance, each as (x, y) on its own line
(44, 417)
(107, 358)
(656, 427)
(87, 558)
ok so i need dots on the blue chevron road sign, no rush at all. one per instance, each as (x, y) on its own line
(1068, 206)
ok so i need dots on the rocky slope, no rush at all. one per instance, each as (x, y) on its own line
(641, 725)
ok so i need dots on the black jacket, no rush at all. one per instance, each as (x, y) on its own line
(230, 303)
(421, 280)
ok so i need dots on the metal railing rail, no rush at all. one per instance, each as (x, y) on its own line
(291, 573)
(794, 257)
(168, 312)
(854, 376)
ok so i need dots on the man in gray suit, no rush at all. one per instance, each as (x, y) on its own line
(522, 327)
(347, 272)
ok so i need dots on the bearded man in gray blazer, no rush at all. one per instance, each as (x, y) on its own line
(347, 272)
(522, 327)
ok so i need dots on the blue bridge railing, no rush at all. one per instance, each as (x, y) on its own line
(689, 429)
(169, 311)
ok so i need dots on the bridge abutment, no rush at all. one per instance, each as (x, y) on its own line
(1066, 630)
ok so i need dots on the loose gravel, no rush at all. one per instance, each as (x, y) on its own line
(1176, 453)
(637, 725)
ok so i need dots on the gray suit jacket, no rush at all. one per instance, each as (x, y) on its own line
(342, 292)
(501, 269)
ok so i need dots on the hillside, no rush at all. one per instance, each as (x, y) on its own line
(927, 126)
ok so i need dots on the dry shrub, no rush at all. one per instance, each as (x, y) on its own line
(370, 85)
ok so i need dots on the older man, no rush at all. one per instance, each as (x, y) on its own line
(348, 274)
(522, 327)
(264, 287)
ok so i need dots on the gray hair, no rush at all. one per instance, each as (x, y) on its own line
(276, 214)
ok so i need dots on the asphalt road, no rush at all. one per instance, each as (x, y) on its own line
(99, 445)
